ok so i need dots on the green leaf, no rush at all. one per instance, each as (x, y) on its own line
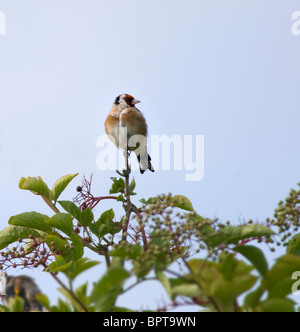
(121, 198)
(73, 268)
(253, 298)
(255, 256)
(182, 202)
(188, 290)
(276, 305)
(44, 301)
(61, 184)
(180, 287)
(64, 248)
(107, 290)
(132, 187)
(12, 233)
(99, 230)
(105, 225)
(71, 208)
(165, 282)
(282, 270)
(77, 307)
(82, 265)
(16, 304)
(131, 251)
(59, 265)
(32, 220)
(142, 268)
(87, 217)
(233, 234)
(62, 306)
(36, 185)
(123, 309)
(118, 186)
(82, 294)
(61, 221)
(4, 308)
(65, 306)
(282, 289)
(78, 246)
(237, 286)
(293, 246)
(222, 282)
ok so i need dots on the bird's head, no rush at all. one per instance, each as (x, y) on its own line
(124, 101)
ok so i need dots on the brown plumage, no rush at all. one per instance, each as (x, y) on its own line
(127, 129)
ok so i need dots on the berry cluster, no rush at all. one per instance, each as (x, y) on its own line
(33, 253)
(287, 217)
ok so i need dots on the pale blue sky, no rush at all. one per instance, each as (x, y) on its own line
(228, 70)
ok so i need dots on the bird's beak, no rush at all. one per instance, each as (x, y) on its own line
(135, 101)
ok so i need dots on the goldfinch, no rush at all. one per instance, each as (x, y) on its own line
(127, 129)
(24, 287)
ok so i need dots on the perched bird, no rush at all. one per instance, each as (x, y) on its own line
(127, 129)
(24, 287)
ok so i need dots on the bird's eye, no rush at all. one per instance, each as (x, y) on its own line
(129, 100)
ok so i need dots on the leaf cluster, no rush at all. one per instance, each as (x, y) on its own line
(223, 267)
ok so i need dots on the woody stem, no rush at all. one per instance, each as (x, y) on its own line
(128, 207)
(70, 292)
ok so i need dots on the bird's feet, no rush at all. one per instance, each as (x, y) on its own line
(125, 173)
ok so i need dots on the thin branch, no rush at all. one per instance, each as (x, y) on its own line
(142, 228)
(128, 207)
(137, 283)
(85, 198)
(107, 259)
(74, 297)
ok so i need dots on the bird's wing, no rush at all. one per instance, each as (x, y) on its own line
(134, 120)
(112, 129)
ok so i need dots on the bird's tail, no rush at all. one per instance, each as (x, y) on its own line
(145, 163)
